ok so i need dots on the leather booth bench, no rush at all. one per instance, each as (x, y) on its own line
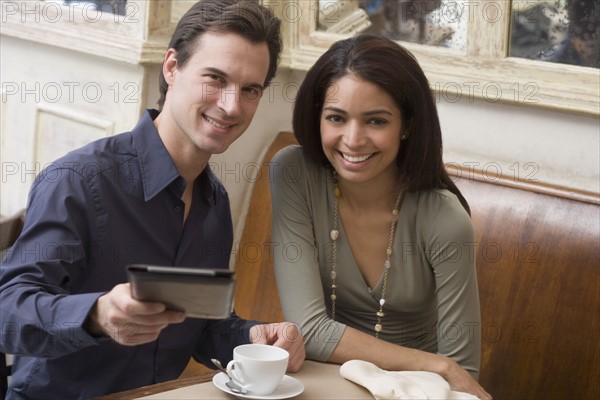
(538, 269)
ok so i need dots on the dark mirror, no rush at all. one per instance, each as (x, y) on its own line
(560, 31)
(440, 23)
(110, 6)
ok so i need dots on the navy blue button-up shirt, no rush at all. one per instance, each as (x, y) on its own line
(111, 203)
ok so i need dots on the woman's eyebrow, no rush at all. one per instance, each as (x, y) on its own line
(334, 109)
(378, 111)
(366, 113)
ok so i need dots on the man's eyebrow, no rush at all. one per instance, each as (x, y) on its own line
(216, 71)
(224, 74)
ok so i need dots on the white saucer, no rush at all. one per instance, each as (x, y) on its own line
(289, 387)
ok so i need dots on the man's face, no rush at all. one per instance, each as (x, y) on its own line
(212, 99)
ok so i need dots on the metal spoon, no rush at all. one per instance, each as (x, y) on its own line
(231, 383)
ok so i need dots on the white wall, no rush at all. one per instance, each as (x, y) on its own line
(552, 147)
(54, 100)
(522, 142)
(45, 112)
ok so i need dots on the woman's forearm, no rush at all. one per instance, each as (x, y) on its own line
(357, 345)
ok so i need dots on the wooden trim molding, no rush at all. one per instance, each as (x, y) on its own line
(139, 36)
(457, 172)
(483, 71)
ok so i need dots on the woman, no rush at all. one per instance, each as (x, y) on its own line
(377, 259)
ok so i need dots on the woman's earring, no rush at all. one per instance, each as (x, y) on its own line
(404, 137)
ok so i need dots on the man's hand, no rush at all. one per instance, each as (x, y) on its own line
(285, 335)
(128, 321)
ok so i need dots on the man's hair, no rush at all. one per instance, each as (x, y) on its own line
(247, 18)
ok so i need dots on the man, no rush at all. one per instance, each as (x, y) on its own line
(143, 196)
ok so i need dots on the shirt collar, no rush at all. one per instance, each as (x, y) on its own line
(157, 168)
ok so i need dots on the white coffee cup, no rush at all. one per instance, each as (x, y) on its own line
(258, 368)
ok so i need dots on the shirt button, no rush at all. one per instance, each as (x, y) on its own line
(177, 209)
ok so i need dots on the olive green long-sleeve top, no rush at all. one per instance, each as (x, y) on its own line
(431, 300)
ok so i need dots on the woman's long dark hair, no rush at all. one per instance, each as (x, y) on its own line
(394, 69)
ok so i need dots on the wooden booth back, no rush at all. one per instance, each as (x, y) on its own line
(538, 269)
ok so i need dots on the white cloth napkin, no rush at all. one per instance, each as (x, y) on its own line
(399, 384)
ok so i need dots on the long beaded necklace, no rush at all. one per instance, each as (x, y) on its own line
(334, 234)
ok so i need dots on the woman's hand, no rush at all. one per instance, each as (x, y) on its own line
(461, 381)
(285, 335)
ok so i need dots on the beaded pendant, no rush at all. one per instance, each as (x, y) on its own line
(334, 235)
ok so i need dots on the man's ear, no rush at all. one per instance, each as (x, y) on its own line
(169, 66)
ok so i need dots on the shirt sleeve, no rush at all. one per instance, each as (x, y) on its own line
(450, 249)
(296, 255)
(220, 337)
(38, 316)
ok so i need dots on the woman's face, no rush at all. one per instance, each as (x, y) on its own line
(360, 130)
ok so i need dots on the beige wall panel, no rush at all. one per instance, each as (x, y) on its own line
(60, 129)
(55, 100)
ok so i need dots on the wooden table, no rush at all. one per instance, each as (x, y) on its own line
(320, 380)
(159, 387)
